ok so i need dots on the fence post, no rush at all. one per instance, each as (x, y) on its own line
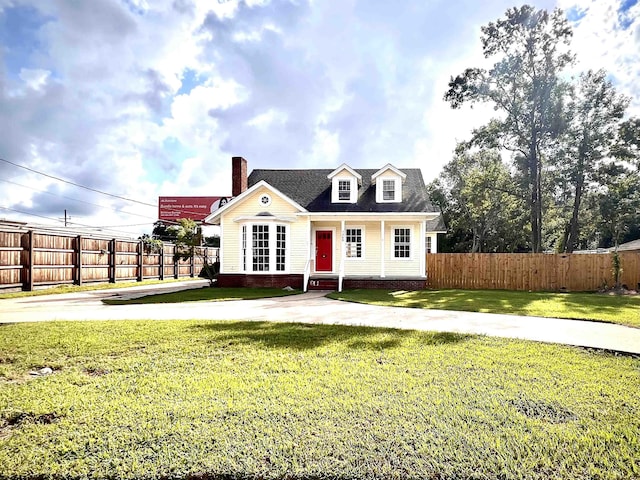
(140, 261)
(192, 263)
(112, 260)
(161, 261)
(29, 266)
(176, 264)
(79, 260)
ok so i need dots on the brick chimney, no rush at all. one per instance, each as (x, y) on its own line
(238, 175)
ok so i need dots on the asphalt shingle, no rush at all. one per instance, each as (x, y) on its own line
(312, 189)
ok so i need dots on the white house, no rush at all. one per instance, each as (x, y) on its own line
(328, 229)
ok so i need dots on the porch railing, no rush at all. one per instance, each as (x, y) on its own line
(307, 272)
(340, 275)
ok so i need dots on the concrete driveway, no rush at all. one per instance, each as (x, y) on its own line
(314, 307)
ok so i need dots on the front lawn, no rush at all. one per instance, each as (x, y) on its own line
(197, 399)
(624, 310)
(87, 287)
(206, 294)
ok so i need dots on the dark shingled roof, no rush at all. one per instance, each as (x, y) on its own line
(312, 190)
(436, 225)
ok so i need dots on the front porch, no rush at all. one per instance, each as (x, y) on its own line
(332, 282)
(363, 252)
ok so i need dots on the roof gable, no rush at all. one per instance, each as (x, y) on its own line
(248, 193)
(347, 168)
(388, 168)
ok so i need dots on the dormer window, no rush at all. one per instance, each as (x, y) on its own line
(388, 181)
(344, 190)
(388, 190)
(344, 184)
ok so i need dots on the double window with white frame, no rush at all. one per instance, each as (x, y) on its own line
(344, 190)
(402, 242)
(389, 190)
(264, 248)
(354, 239)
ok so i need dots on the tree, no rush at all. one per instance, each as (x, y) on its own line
(619, 200)
(627, 147)
(480, 202)
(594, 113)
(523, 85)
(162, 231)
(188, 237)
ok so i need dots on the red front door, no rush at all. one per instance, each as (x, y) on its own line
(324, 247)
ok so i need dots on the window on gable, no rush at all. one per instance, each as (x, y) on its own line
(344, 190)
(353, 237)
(388, 190)
(402, 243)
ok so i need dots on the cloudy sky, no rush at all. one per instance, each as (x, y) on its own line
(141, 98)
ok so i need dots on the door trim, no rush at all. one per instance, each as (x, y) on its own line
(333, 248)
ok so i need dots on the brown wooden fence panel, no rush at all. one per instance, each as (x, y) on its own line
(11, 259)
(32, 258)
(535, 272)
(95, 260)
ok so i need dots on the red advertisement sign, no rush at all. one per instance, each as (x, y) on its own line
(196, 208)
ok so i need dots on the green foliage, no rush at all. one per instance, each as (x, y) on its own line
(161, 231)
(593, 115)
(240, 400)
(582, 306)
(188, 236)
(530, 48)
(619, 201)
(564, 137)
(616, 269)
(481, 203)
(151, 245)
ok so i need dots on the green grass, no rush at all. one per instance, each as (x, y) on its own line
(624, 310)
(196, 399)
(206, 294)
(89, 287)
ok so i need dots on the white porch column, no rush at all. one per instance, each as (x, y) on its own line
(221, 249)
(382, 249)
(423, 249)
(343, 239)
(434, 243)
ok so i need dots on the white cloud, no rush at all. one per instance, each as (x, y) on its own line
(605, 37)
(144, 98)
(34, 78)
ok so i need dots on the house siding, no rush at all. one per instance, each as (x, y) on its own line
(370, 264)
(406, 267)
(297, 240)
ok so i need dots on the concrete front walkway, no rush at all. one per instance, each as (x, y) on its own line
(314, 307)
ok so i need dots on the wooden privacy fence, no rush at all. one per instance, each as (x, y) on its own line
(530, 271)
(32, 258)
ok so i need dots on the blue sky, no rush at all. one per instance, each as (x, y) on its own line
(141, 98)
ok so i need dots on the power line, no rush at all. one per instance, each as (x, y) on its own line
(106, 229)
(77, 200)
(78, 185)
(90, 189)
